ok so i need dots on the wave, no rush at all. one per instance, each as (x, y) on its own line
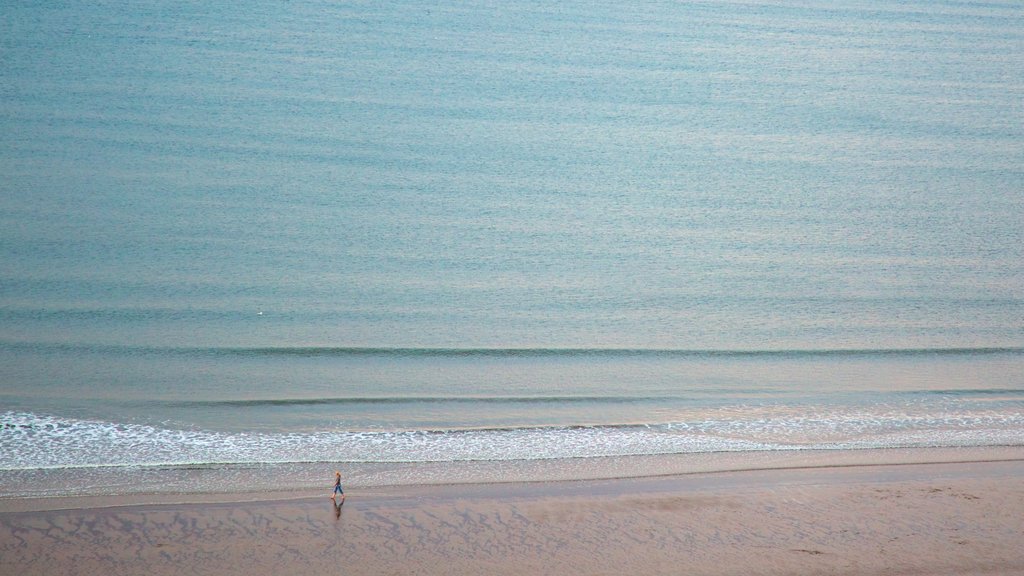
(30, 441)
(541, 352)
(385, 400)
(966, 392)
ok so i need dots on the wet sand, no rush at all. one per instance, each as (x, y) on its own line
(948, 518)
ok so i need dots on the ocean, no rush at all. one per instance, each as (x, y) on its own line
(426, 242)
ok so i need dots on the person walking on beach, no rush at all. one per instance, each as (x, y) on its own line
(337, 487)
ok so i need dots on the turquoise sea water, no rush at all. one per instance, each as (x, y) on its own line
(305, 233)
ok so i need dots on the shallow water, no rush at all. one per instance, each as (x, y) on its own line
(387, 416)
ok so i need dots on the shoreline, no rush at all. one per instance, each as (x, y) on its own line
(936, 518)
(546, 472)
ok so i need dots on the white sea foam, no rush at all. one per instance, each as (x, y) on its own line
(33, 441)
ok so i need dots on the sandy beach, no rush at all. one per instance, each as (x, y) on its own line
(939, 518)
